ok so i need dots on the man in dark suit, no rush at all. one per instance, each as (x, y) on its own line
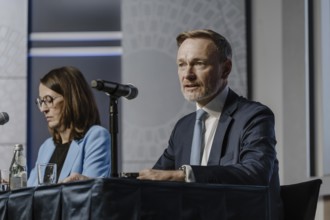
(238, 136)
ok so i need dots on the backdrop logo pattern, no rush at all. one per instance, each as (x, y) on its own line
(149, 53)
(12, 45)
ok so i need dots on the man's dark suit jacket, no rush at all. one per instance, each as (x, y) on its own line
(243, 149)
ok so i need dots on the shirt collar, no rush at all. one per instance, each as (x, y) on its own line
(215, 106)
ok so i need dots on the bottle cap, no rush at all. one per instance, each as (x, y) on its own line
(18, 147)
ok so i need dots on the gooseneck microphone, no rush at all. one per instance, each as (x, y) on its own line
(128, 91)
(4, 118)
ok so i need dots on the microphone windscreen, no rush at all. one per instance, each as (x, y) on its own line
(133, 92)
(97, 84)
(4, 118)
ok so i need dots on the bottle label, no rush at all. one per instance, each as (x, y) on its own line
(23, 179)
(15, 182)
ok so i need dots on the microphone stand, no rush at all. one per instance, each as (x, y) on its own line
(113, 124)
(114, 91)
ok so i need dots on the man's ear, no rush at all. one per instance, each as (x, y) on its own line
(226, 68)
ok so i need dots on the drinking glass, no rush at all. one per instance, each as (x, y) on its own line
(4, 180)
(47, 173)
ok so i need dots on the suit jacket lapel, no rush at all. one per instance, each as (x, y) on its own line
(69, 160)
(188, 141)
(222, 129)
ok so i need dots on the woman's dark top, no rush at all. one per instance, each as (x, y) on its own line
(59, 155)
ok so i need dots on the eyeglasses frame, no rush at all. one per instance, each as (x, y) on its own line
(48, 103)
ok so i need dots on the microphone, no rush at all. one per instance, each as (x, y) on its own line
(4, 118)
(128, 91)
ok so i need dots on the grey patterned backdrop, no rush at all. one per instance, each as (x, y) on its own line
(149, 52)
(149, 28)
(13, 47)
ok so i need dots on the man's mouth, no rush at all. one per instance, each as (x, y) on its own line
(191, 86)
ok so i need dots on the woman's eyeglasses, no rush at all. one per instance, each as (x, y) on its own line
(47, 100)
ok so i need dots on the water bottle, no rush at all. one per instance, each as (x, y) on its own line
(17, 170)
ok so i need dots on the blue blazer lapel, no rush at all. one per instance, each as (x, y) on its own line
(222, 129)
(46, 154)
(70, 160)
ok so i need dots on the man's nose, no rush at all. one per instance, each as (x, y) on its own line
(190, 73)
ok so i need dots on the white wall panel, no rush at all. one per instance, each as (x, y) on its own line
(13, 75)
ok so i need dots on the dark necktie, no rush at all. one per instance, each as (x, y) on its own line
(196, 147)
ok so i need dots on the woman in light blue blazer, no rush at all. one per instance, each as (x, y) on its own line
(78, 143)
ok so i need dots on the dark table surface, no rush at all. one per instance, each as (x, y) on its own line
(126, 199)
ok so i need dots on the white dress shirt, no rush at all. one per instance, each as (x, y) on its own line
(213, 109)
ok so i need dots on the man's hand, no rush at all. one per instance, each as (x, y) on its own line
(162, 175)
(75, 177)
